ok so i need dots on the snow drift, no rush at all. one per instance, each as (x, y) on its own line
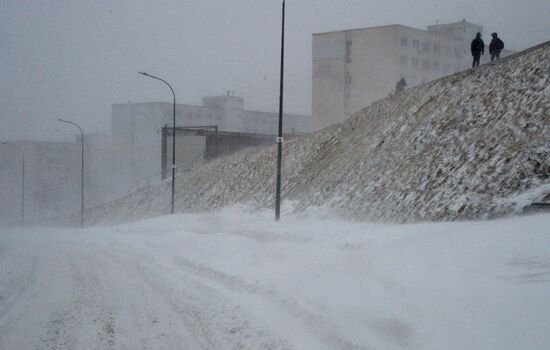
(468, 146)
(233, 280)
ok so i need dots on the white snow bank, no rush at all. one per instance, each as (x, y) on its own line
(304, 283)
(430, 286)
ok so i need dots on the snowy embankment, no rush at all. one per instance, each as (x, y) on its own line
(469, 146)
(234, 280)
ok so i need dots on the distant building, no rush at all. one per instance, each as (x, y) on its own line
(142, 135)
(353, 68)
(98, 167)
(53, 177)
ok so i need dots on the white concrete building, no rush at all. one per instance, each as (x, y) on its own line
(52, 180)
(53, 177)
(137, 130)
(353, 68)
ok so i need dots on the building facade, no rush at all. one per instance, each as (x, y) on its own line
(142, 139)
(353, 68)
(53, 177)
(52, 180)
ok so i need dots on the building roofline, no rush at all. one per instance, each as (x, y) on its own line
(277, 113)
(450, 24)
(395, 25)
(206, 107)
(146, 103)
(158, 103)
(363, 28)
(31, 142)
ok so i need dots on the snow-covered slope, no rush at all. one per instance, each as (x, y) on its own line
(472, 145)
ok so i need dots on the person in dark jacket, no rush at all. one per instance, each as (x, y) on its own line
(401, 85)
(495, 47)
(478, 48)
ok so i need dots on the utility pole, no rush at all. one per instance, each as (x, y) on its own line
(81, 170)
(173, 137)
(280, 137)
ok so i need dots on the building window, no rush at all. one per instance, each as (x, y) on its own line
(437, 49)
(404, 42)
(414, 62)
(416, 44)
(426, 65)
(403, 60)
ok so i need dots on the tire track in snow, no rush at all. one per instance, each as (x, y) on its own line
(143, 319)
(14, 294)
(85, 319)
(17, 287)
(319, 326)
(216, 322)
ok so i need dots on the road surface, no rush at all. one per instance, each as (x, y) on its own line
(238, 281)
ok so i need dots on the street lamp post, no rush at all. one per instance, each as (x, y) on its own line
(173, 137)
(81, 171)
(22, 180)
(280, 138)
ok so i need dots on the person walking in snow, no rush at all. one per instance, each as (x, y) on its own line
(400, 86)
(478, 48)
(495, 47)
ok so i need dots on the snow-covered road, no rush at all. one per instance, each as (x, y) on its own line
(235, 280)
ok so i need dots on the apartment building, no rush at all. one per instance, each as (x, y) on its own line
(353, 68)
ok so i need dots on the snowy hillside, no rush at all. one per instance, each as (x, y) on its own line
(233, 280)
(472, 145)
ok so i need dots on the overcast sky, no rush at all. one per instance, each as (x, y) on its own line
(73, 59)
